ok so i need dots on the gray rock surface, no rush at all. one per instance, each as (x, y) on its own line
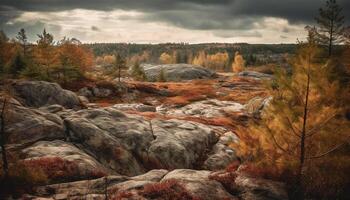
(177, 72)
(86, 165)
(135, 107)
(27, 125)
(256, 75)
(130, 144)
(207, 108)
(199, 184)
(41, 93)
(222, 155)
(260, 189)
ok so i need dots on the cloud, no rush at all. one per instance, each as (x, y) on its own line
(95, 28)
(233, 34)
(219, 18)
(296, 11)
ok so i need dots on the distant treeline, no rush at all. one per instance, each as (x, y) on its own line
(252, 53)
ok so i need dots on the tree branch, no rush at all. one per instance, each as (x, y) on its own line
(317, 127)
(275, 141)
(330, 151)
(292, 127)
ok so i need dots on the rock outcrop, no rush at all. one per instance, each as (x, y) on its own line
(41, 93)
(135, 107)
(207, 108)
(199, 184)
(177, 72)
(256, 75)
(129, 144)
(222, 155)
(28, 125)
(256, 106)
(133, 153)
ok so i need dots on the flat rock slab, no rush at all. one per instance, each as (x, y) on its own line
(207, 108)
(177, 72)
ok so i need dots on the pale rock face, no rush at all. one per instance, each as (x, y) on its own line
(135, 107)
(222, 155)
(41, 93)
(26, 125)
(197, 182)
(207, 108)
(256, 75)
(177, 72)
(130, 144)
(57, 148)
(113, 142)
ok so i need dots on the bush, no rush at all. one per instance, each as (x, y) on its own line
(167, 190)
(137, 72)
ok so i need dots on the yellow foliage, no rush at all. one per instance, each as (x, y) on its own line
(109, 59)
(216, 61)
(238, 64)
(165, 58)
(144, 57)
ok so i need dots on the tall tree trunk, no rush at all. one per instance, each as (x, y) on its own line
(303, 137)
(3, 138)
(119, 74)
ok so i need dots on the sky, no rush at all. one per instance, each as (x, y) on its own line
(160, 21)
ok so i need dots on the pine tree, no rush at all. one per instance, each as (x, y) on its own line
(45, 54)
(17, 64)
(302, 122)
(119, 63)
(22, 39)
(331, 25)
(138, 73)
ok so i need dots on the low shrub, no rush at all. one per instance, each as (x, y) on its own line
(167, 190)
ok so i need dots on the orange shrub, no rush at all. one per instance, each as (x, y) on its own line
(123, 195)
(227, 179)
(58, 169)
(167, 190)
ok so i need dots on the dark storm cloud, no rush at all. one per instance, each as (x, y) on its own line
(189, 14)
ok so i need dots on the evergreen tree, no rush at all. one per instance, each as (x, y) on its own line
(119, 63)
(331, 25)
(22, 39)
(302, 122)
(137, 72)
(44, 54)
(16, 65)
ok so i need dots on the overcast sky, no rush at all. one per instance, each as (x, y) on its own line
(159, 21)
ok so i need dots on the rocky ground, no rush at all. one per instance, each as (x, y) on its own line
(135, 140)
